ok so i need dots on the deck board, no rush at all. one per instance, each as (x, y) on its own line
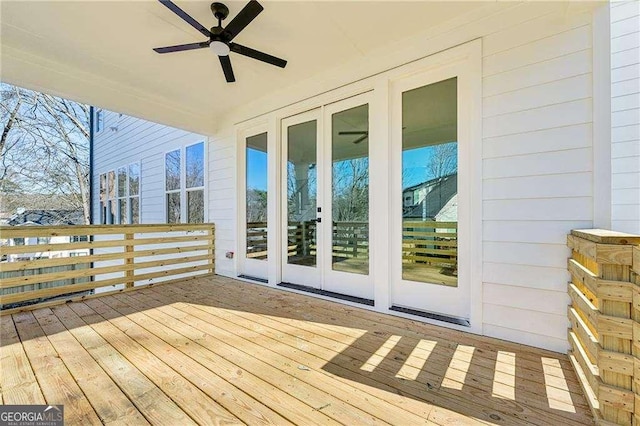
(220, 351)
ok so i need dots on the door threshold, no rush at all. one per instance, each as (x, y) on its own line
(354, 299)
(249, 277)
(439, 317)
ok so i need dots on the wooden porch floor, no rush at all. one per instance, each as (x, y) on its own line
(214, 350)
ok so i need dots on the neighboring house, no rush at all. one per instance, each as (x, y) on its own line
(541, 99)
(429, 199)
(46, 218)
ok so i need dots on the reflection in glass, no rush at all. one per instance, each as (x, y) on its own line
(135, 210)
(173, 207)
(111, 188)
(350, 190)
(195, 165)
(430, 184)
(134, 178)
(257, 197)
(122, 211)
(302, 193)
(195, 206)
(103, 199)
(172, 170)
(122, 182)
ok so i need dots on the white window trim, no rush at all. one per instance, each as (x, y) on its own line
(183, 182)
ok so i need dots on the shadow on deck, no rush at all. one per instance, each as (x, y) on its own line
(216, 350)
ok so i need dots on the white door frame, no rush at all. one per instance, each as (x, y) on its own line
(468, 56)
(450, 301)
(310, 276)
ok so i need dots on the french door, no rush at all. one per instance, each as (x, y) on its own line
(326, 208)
(430, 120)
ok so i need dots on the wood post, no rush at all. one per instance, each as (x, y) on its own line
(605, 322)
(128, 261)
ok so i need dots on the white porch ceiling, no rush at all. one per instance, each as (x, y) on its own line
(100, 52)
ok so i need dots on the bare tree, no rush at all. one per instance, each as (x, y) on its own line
(443, 160)
(44, 147)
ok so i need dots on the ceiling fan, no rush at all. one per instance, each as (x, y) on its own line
(220, 39)
(364, 134)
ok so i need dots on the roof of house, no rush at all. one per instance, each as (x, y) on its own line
(426, 183)
(47, 217)
(435, 199)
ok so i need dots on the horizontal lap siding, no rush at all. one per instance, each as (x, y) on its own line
(126, 140)
(625, 116)
(537, 172)
(223, 199)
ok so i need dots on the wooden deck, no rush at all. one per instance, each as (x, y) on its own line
(215, 350)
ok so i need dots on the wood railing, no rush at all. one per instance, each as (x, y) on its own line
(430, 242)
(75, 261)
(605, 322)
(424, 242)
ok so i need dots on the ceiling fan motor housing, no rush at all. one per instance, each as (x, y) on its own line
(220, 11)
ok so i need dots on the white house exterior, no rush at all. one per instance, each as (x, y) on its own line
(545, 117)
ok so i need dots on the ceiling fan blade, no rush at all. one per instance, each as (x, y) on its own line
(354, 132)
(243, 18)
(226, 67)
(185, 16)
(247, 51)
(181, 47)
(360, 139)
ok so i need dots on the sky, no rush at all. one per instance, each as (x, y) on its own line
(414, 163)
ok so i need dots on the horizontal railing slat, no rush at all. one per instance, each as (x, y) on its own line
(138, 253)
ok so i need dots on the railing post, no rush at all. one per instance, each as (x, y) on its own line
(604, 331)
(128, 261)
(212, 250)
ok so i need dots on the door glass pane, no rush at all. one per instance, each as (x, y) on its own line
(302, 190)
(430, 184)
(350, 190)
(257, 197)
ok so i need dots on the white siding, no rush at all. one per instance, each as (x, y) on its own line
(537, 166)
(625, 116)
(125, 140)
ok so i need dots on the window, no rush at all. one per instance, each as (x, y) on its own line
(172, 185)
(194, 172)
(134, 193)
(44, 240)
(103, 198)
(111, 197)
(120, 195)
(99, 120)
(184, 184)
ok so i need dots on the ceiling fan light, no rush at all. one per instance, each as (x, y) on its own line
(219, 48)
